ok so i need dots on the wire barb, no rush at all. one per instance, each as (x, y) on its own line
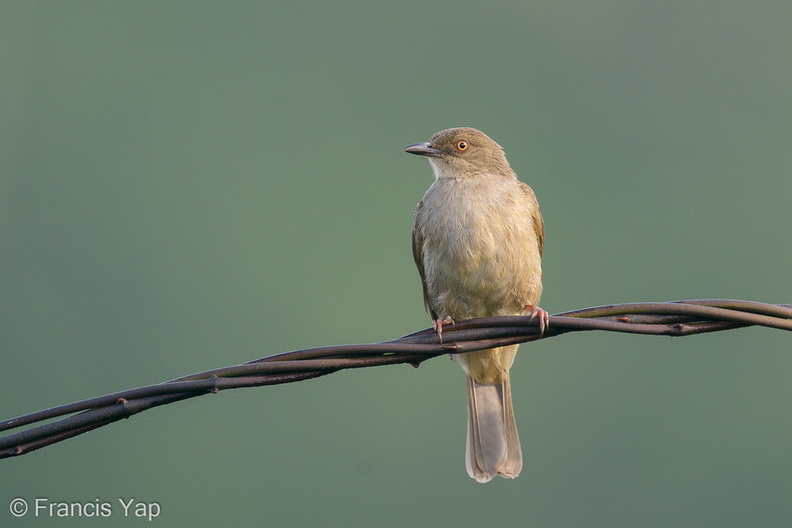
(677, 318)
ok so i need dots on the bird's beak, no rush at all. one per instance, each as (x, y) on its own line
(423, 149)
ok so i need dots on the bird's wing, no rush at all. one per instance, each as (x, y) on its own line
(417, 249)
(537, 214)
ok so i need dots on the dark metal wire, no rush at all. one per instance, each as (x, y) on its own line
(678, 318)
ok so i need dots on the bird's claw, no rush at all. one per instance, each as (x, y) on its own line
(437, 324)
(541, 315)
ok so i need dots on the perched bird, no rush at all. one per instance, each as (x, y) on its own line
(477, 242)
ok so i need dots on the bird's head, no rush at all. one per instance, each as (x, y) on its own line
(463, 153)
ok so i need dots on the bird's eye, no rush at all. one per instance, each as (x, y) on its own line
(462, 145)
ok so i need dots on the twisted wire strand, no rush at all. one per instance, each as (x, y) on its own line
(677, 318)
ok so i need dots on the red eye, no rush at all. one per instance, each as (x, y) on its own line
(462, 145)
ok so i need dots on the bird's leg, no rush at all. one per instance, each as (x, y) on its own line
(542, 315)
(437, 324)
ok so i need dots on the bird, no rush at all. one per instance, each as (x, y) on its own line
(477, 241)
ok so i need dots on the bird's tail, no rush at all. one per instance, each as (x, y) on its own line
(493, 446)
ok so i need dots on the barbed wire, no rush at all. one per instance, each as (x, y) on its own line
(677, 318)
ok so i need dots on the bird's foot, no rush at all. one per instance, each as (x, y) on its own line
(541, 315)
(437, 324)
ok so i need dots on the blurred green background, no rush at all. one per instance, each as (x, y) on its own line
(189, 185)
